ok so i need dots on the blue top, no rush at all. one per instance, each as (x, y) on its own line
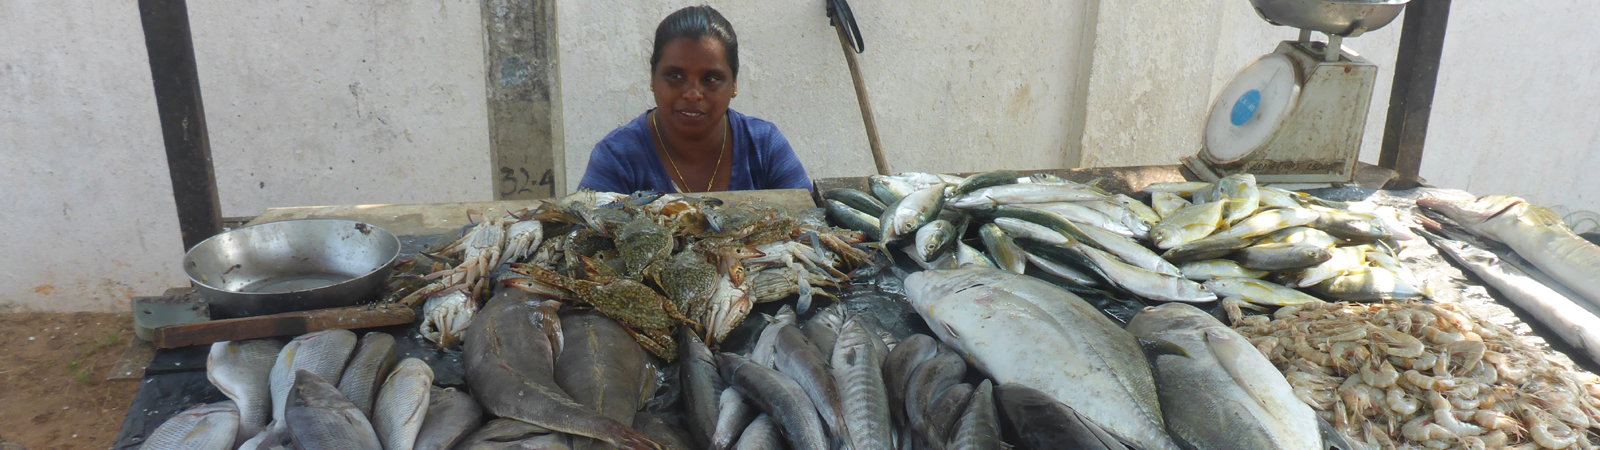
(625, 161)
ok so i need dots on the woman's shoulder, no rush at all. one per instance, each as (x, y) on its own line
(630, 139)
(756, 125)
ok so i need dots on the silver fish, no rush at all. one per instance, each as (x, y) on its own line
(857, 368)
(368, 367)
(402, 404)
(452, 414)
(1147, 284)
(240, 369)
(509, 353)
(888, 189)
(1267, 222)
(1535, 233)
(322, 419)
(902, 219)
(1223, 394)
(968, 256)
(275, 438)
(733, 416)
(1187, 225)
(323, 353)
(1301, 235)
(1166, 203)
(1272, 257)
(1208, 248)
(509, 434)
(779, 397)
(934, 239)
(1260, 292)
(1087, 217)
(1368, 284)
(855, 219)
(1042, 423)
(979, 428)
(1022, 229)
(762, 434)
(1061, 270)
(1139, 209)
(1184, 189)
(1015, 194)
(1004, 250)
(1026, 331)
(823, 329)
(1275, 197)
(702, 386)
(1239, 190)
(203, 427)
(1217, 268)
(898, 367)
(857, 200)
(984, 180)
(1350, 225)
(767, 343)
(1132, 252)
(799, 359)
(932, 378)
(1548, 301)
(1341, 261)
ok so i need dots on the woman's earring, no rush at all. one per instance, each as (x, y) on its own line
(735, 92)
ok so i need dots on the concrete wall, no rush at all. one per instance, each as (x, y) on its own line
(955, 85)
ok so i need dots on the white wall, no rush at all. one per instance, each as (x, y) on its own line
(955, 85)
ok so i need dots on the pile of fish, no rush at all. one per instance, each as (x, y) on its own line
(323, 390)
(1410, 374)
(1250, 245)
(652, 261)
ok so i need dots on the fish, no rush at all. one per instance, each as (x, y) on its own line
(733, 416)
(854, 219)
(1034, 421)
(823, 329)
(1132, 252)
(762, 434)
(778, 396)
(934, 239)
(903, 218)
(1184, 189)
(889, 190)
(402, 404)
(1021, 330)
(669, 436)
(1240, 193)
(1342, 260)
(322, 419)
(509, 434)
(1089, 217)
(968, 256)
(857, 200)
(323, 353)
(1218, 268)
(1138, 209)
(1061, 270)
(1273, 257)
(1208, 248)
(767, 343)
(240, 369)
(1223, 394)
(1260, 292)
(1004, 250)
(1301, 235)
(374, 357)
(701, 384)
(1267, 222)
(799, 359)
(985, 180)
(1166, 203)
(277, 437)
(898, 366)
(1368, 284)
(1016, 194)
(945, 411)
(932, 378)
(1054, 222)
(510, 352)
(452, 414)
(1535, 233)
(602, 368)
(1022, 229)
(204, 427)
(857, 363)
(1187, 225)
(1144, 283)
(979, 428)
(1348, 225)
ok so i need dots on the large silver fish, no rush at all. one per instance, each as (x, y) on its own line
(451, 415)
(1535, 233)
(702, 385)
(509, 353)
(1025, 331)
(402, 404)
(323, 353)
(799, 359)
(204, 427)
(241, 370)
(780, 397)
(368, 367)
(1551, 303)
(1014, 194)
(857, 368)
(1224, 394)
(322, 419)
(602, 368)
(903, 218)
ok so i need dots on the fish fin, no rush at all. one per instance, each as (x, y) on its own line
(1154, 347)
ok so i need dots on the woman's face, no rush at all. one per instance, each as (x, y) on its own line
(692, 85)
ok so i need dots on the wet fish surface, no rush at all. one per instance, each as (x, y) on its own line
(509, 434)
(857, 368)
(979, 428)
(944, 370)
(509, 354)
(323, 353)
(601, 366)
(1035, 421)
(799, 359)
(779, 397)
(762, 434)
(203, 427)
(402, 404)
(322, 419)
(373, 359)
(242, 371)
(452, 414)
(733, 416)
(702, 387)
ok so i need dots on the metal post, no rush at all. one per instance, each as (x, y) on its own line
(183, 118)
(1411, 99)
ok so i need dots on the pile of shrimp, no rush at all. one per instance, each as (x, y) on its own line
(1414, 375)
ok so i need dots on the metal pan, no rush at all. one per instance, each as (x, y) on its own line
(293, 265)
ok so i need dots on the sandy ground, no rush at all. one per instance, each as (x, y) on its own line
(53, 368)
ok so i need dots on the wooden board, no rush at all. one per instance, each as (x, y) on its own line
(1124, 180)
(286, 324)
(437, 218)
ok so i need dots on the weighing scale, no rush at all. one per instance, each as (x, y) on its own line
(1296, 115)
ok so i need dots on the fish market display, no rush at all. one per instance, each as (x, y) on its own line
(1401, 375)
(1035, 421)
(451, 415)
(1537, 235)
(367, 369)
(651, 261)
(323, 353)
(322, 419)
(241, 371)
(203, 427)
(402, 404)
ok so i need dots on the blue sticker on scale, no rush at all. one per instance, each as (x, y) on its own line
(1245, 108)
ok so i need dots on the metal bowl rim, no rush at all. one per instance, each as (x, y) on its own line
(385, 266)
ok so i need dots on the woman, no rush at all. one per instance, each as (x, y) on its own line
(691, 141)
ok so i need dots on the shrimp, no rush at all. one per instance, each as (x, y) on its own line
(1471, 353)
(1420, 429)
(1425, 382)
(1496, 421)
(1400, 403)
(1546, 432)
(1305, 351)
(1379, 373)
(1443, 417)
(1440, 337)
(1395, 343)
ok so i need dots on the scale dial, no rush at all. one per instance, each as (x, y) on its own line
(1249, 111)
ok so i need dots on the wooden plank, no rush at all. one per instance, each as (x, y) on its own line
(436, 218)
(286, 324)
(183, 118)
(1416, 73)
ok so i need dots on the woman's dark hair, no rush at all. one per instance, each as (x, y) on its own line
(696, 23)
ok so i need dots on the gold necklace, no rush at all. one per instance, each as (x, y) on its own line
(721, 149)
